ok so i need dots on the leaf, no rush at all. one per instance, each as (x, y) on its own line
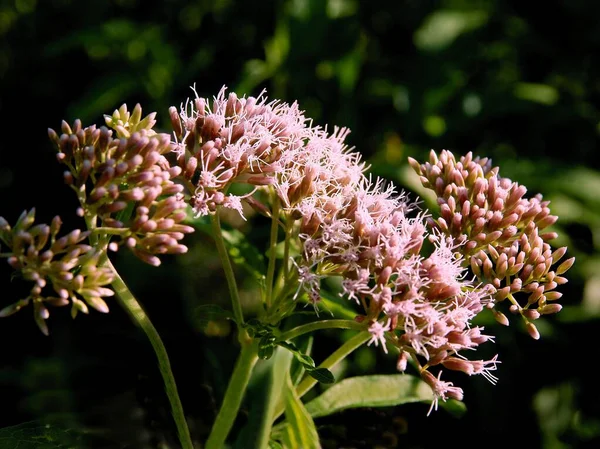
(442, 27)
(206, 313)
(266, 392)
(340, 307)
(454, 407)
(322, 375)
(36, 435)
(304, 359)
(241, 250)
(301, 430)
(244, 253)
(265, 352)
(306, 348)
(125, 215)
(370, 391)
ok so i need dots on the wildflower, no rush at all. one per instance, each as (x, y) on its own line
(62, 270)
(500, 232)
(259, 143)
(427, 302)
(126, 182)
(377, 331)
(441, 390)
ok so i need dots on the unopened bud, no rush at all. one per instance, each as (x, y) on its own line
(550, 309)
(500, 317)
(564, 267)
(532, 331)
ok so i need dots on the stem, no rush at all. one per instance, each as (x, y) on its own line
(316, 325)
(233, 396)
(272, 252)
(286, 248)
(229, 275)
(340, 354)
(135, 311)
(112, 231)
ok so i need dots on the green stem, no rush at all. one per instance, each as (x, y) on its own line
(286, 248)
(233, 395)
(272, 252)
(135, 311)
(112, 231)
(316, 325)
(229, 275)
(340, 354)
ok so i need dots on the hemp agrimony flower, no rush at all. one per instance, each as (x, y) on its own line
(63, 270)
(415, 279)
(420, 304)
(125, 183)
(499, 232)
(259, 143)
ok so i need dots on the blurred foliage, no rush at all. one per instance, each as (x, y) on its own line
(515, 81)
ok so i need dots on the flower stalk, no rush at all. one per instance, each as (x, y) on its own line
(318, 325)
(272, 254)
(234, 394)
(229, 274)
(140, 318)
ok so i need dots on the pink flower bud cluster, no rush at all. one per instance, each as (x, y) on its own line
(500, 232)
(63, 270)
(127, 183)
(258, 143)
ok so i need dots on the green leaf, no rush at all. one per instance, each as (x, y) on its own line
(125, 215)
(340, 307)
(265, 349)
(322, 375)
(241, 250)
(454, 407)
(289, 346)
(304, 359)
(206, 313)
(306, 348)
(275, 445)
(36, 435)
(370, 391)
(244, 253)
(442, 27)
(301, 430)
(266, 392)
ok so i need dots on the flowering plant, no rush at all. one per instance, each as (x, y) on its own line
(410, 281)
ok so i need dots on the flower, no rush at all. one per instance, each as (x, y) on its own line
(127, 183)
(259, 143)
(422, 304)
(500, 232)
(63, 270)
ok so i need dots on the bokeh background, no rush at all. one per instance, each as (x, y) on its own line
(515, 81)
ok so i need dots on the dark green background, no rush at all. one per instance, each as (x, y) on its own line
(512, 80)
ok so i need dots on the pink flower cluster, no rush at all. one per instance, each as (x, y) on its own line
(501, 233)
(417, 299)
(420, 281)
(349, 226)
(126, 182)
(258, 143)
(62, 270)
